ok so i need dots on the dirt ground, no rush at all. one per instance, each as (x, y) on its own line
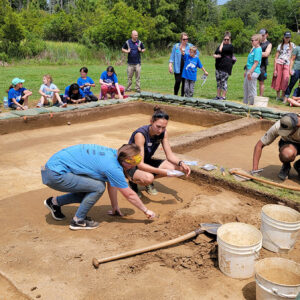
(42, 258)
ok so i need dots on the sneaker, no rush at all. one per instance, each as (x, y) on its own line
(222, 98)
(86, 224)
(39, 105)
(217, 98)
(54, 209)
(138, 91)
(279, 99)
(151, 190)
(284, 171)
(63, 105)
(135, 188)
(297, 166)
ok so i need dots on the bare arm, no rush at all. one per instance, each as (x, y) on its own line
(104, 83)
(125, 50)
(268, 51)
(139, 140)
(257, 154)
(118, 89)
(292, 64)
(134, 199)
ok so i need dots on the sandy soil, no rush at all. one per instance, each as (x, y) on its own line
(43, 259)
(237, 152)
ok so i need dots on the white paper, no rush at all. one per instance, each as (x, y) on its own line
(174, 173)
(191, 162)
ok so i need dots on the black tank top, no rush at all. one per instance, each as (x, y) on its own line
(264, 46)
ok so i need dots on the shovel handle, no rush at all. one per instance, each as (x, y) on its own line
(97, 262)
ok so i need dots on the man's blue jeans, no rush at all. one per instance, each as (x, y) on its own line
(293, 81)
(82, 189)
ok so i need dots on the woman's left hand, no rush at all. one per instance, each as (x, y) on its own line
(115, 212)
(249, 76)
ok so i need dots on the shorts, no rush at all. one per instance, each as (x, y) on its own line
(152, 162)
(296, 145)
(263, 73)
(15, 106)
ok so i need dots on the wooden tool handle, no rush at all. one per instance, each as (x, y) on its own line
(97, 262)
(283, 186)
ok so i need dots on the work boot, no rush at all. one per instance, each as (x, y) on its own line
(284, 171)
(151, 190)
(135, 188)
(297, 166)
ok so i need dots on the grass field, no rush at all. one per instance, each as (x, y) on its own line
(154, 77)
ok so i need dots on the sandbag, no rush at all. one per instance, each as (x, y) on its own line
(5, 116)
(27, 112)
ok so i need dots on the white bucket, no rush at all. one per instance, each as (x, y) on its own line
(277, 278)
(261, 101)
(238, 248)
(280, 227)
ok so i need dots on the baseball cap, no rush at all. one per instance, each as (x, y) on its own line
(17, 80)
(287, 124)
(287, 34)
(263, 31)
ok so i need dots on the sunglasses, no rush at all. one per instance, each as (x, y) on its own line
(185, 39)
(253, 40)
(226, 39)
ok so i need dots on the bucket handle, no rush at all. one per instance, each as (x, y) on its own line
(256, 254)
(275, 292)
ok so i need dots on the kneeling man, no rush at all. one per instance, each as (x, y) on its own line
(288, 128)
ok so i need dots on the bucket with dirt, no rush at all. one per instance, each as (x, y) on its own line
(238, 248)
(280, 227)
(277, 278)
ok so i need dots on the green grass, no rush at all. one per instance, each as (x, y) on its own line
(63, 61)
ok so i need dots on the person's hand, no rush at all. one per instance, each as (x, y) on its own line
(249, 76)
(206, 73)
(149, 214)
(128, 51)
(292, 72)
(186, 169)
(275, 74)
(171, 69)
(115, 212)
(139, 48)
(120, 97)
(86, 84)
(73, 101)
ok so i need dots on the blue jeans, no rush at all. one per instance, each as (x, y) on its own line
(293, 81)
(82, 189)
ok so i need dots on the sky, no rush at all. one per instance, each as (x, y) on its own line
(220, 2)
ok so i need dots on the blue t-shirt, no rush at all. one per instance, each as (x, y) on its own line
(13, 94)
(44, 88)
(86, 89)
(254, 55)
(90, 160)
(109, 79)
(68, 89)
(190, 67)
(134, 56)
(297, 92)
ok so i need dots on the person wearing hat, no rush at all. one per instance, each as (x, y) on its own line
(18, 95)
(281, 73)
(288, 128)
(83, 171)
(266, 48)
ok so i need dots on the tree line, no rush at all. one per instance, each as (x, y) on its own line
(26, 24)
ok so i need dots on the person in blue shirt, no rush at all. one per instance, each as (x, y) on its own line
(18, 95)
(252, 70)
(83, 171)
(133, 47)
(191, 63)
(109, 84)
(85, 83)
(177, 61)
(74, 94)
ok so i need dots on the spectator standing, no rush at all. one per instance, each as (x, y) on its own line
(266, 48)
(191, 63)
(224, 62)
(133, 47)
(281, 74)
(18, 95)
(294, 71)
(85, 83)
(177, 61)
(252, 70)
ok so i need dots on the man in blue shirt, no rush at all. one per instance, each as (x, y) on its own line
(133, 47)
(82, 171)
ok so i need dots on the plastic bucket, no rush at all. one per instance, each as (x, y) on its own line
(238, 248)
(261, 101)
(280, 227)
(277, 278)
